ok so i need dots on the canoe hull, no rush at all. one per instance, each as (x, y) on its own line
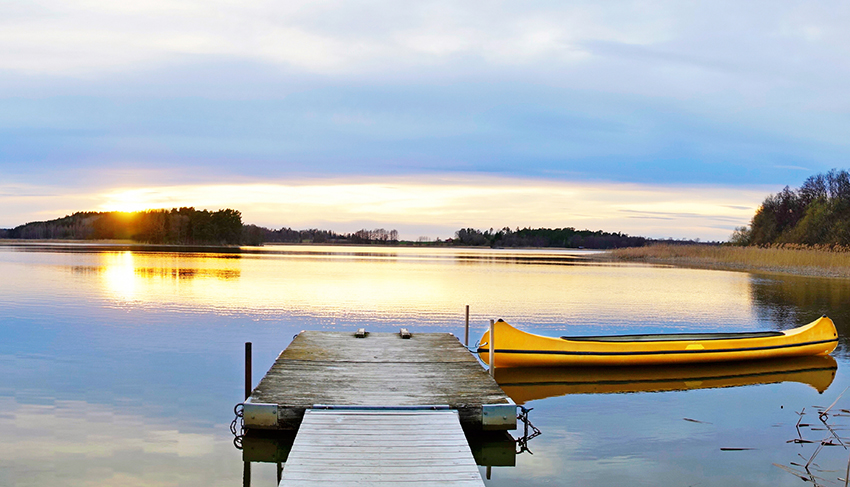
(524, 384)
(516, 348)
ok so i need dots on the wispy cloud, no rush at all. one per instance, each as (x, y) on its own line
(85, 36)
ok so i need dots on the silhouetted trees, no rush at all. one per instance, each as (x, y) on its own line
(546, 237)
(379, 235)
(188, 226)
(177, 226)
(79, 226)
(818, 213)
(254, 235)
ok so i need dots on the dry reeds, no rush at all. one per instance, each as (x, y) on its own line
(827, 261)
(832, 439)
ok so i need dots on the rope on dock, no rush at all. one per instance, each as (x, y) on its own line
(237, 426)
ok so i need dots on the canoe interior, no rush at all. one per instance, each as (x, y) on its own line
(674, 337)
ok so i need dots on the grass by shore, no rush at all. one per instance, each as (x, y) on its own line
(785, 260)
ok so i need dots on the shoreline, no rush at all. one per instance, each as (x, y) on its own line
(796, 262)
(775, 260)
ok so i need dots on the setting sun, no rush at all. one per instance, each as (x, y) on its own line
(130, 200)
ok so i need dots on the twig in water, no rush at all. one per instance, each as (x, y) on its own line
(817, 450)
(847, 474)
(791, 470)
(824, 417)
(836, 400)
(800, 420)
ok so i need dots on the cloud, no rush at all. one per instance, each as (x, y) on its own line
(89, 36)
(717, 93)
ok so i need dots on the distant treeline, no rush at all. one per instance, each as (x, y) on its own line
(188, 226)
(547, 237)
(255, 235)
(816, 214)
(183, 226)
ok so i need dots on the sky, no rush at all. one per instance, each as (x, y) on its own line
(661, 119)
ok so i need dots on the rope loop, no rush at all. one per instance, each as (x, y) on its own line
(237, 426)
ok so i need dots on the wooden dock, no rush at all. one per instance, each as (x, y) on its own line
(381, 448)
(382, 369)
(384, 409)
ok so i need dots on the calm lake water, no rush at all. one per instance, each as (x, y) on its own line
(122, 367)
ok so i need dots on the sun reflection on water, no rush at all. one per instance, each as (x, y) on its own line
(119, 275)
(428, 285)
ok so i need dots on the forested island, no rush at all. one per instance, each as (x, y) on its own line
(547, 237)
(188, 226)
(176, 226)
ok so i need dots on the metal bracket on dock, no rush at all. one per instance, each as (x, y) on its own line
(498, 416)
(522, 441)
(259, 415)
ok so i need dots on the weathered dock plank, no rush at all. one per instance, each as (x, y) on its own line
(381, 369)
(380, 448)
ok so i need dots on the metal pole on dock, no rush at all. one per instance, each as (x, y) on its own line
(246, 474)
(466, 329)
(248, 367)
(492, 347)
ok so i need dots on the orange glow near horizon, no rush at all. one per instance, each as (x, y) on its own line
(444, 205)
(128, 201)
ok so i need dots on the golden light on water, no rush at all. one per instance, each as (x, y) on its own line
(368, 283)
(119, 275)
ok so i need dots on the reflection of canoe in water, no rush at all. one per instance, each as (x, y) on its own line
(529, 383)
(516, 348)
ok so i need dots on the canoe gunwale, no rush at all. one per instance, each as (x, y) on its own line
(674, 337)
(656, 352)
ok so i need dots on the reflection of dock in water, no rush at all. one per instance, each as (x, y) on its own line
(489, 449)
(378, 408)
(527, 384)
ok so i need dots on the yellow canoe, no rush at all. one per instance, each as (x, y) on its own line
(516, 348)
(525, 384)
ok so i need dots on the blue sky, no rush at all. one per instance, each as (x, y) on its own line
(665, 119)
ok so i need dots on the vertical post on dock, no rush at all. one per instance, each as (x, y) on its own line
(466, 329)
(246, 474)
(492, 347)
(248, 367)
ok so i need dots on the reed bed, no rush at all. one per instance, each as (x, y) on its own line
(787, 259)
